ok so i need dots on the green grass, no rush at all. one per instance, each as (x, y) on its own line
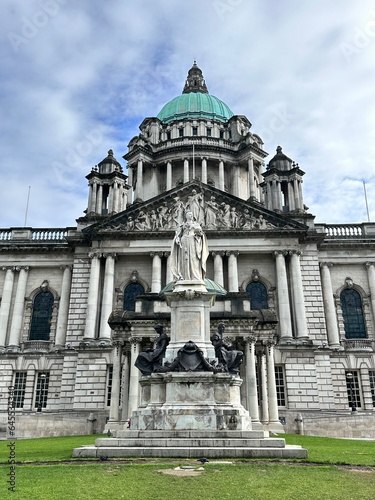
(217, 482)
(335, 451)
(321, 450)
(142, 480)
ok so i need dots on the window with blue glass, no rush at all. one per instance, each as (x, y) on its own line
(131, 292)
(352, 311)
(258, 295)
(42, 315)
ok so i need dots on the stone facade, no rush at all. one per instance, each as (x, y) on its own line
(300, 299)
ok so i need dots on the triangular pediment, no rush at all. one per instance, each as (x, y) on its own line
(215, 210)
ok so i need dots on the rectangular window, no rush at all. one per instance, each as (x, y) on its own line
(195, 130)
(280, 385)
(110, 384)
(353, 389)
(19, 389)
(209, 132)
(180, 132)
(168, 136)
(41, 390)
(221, 134)
(372, 385)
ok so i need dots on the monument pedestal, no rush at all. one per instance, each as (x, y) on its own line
(190, 305)
(190, 401)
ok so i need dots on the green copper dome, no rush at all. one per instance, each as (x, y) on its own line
(195, 105)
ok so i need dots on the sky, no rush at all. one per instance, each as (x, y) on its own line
(79, 76)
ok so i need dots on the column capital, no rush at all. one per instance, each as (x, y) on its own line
(276, 253)
(221, 253)
(232, 252)
(325, 264)
(166, 254)
(250, 339)
(153, 254)
(66, 266)
(94, 255)
(295, 252)
(117, 344)
(20, 268)
(135, 340)
(109, 254)
(8, 268)
(369, 264)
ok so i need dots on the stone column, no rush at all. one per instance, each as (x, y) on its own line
(110, 199)
(116, 203)
(5, 303)
(114, 411)
(291, 200)
(221, 176)
(297, 195)
(329, 305)
(107, 300)
(94, 191)
(204, 170)
(186, 170)
(169, 175)
(285, 323)
(62, 318)
(139, 193)
(134, 376)
(92, 299)
(99, 200)
(232, 271)
(218, 267)
(251, 379)
(169, 275)
(125, 386)
(298, 296)
(271, 385)
(156, 272)
(235, 180)
(19, 303)
(370, 266)
(250, 169)
(263, 385)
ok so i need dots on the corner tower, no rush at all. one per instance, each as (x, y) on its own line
(196, 136)
(107, 187)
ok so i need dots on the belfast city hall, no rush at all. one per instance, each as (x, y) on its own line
(296, 298)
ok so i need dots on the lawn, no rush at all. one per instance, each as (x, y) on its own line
(143, 480)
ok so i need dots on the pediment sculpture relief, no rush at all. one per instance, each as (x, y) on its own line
(207, 211)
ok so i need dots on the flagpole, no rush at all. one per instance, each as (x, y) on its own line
(27, 206)
(364, 189)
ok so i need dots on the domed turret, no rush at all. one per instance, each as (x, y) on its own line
(195, 102)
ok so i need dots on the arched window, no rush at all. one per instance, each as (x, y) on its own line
(352, 312)
(257, 294)
(130, 293)
(41, 318)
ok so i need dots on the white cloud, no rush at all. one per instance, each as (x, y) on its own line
(106, 65)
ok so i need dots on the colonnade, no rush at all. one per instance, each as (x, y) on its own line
(329, 301)
(113, 200)
(266, 412)
(189, 174)
(92, 327)
(11, 321)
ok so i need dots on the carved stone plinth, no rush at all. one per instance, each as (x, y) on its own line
(188, 401)
(190, 305)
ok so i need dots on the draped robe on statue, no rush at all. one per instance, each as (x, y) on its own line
(189, 251)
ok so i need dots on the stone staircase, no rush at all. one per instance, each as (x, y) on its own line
(190, 444)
